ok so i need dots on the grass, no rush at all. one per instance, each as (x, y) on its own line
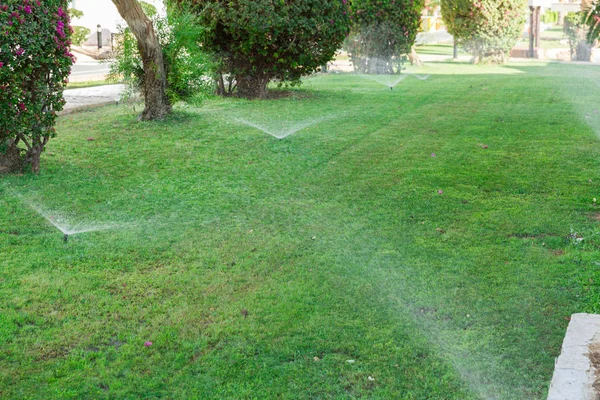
(86, 84)
(446, 49)
(259, 267)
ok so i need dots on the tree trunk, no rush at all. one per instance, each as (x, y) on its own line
(414, 59)
(252, 87)
(10, 158)
(33, 157)
(157, 104)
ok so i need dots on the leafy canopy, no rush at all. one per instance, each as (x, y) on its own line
(488, 29)
(262, 40)
(383, 31)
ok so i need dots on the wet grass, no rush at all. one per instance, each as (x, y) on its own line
(428, 242)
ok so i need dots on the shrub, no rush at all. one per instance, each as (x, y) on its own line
(80, 35)
(257, 41)
(187, 66)
(550, 17)
(488, 29)
(34, 65)
(383, 32)
(592, 19)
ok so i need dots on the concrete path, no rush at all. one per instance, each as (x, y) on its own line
(576, 371)
(91, 96)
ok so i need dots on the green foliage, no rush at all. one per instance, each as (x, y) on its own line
(148, 9)
(80, 34)
(187, 66)
(592, 19)
(34, 65)
(488, 29)
(550, 17)
(75, 13)
(256, 41)
(382, 32)
(574, 29)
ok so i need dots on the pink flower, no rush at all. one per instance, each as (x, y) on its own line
(440, 191)
(22, 107)
(432, 154)
(1, 64)
(20, 51)
(147, 344)
(27, 10)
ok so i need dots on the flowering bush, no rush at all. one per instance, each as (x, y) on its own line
(592, 19)
(488, 29)
(34, 65)
(256, 41)
(383, 32)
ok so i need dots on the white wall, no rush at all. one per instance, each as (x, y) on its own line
(101, 12)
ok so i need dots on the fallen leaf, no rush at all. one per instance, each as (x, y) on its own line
(315, 358)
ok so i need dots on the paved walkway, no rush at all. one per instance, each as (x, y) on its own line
(91, 96)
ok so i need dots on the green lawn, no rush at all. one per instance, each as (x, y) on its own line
(86, 84)
(344, 261)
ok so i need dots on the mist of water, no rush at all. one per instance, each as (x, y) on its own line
(61, 223)
(386, 80)
(421, 77)
(283, 132)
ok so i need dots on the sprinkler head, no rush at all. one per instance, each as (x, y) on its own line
(66, 238)
(391, 88)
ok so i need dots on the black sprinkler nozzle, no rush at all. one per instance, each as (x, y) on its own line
(66, 238)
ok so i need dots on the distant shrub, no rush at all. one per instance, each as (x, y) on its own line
(550, 17)
(187, 66)
(488, 29)
(383, 33)
(257, 41)
(34, 65)
(80, 35)
(576, 30)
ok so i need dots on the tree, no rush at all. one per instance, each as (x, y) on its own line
(80, 33)
(257, 41)
(157, 104)
(34, 65)
(383, 33)
(186, 65)
(488, 29)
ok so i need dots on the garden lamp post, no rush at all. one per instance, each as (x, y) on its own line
(99, 32)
